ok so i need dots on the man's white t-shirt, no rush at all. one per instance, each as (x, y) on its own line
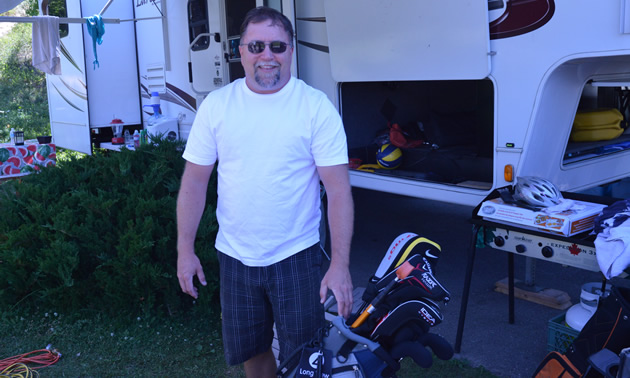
(268, 147)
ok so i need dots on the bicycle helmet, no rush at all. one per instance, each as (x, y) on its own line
(537, 191)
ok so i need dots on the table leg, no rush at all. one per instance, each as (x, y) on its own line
(511, 287)
(469, 269)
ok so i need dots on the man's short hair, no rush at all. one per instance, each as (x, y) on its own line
(261, 14)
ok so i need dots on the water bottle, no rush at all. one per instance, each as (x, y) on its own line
(136, 139)
(155, 104)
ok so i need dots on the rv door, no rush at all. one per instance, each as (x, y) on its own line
(67, 93)
(91, 92)
(378, 40)
(207, 71)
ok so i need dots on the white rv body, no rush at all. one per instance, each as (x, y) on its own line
(516, 70)
(539, 72)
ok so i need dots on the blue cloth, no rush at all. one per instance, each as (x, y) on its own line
(96, 29)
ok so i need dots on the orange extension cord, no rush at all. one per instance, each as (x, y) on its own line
(18, 366)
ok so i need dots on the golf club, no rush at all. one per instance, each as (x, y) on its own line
(402, 272)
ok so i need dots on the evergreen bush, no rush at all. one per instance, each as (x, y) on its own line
(99, 232)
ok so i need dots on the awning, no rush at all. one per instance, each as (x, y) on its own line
(7, 5)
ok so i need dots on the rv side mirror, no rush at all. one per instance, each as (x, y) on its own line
(217, 37)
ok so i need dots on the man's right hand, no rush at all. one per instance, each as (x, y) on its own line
(188, 265)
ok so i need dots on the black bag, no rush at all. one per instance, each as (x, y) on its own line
(345, 354)
(556, 365)
(609, 328)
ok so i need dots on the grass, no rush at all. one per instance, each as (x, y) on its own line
(95, 346)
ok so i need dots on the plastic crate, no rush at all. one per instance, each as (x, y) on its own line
(560, 335)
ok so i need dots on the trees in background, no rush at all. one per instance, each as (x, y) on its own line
(23, 96)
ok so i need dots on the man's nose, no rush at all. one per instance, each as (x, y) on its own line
(267, 54)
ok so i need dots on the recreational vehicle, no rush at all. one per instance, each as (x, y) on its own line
(480, 92)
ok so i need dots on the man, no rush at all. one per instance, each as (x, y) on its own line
(274, 138)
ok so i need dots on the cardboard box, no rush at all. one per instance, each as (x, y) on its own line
(567, 223)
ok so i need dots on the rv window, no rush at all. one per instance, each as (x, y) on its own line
(58, 8)
(600, 126)
(235, 53)
(198, 24)
(275, 4)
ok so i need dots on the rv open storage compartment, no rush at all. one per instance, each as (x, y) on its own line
(454, 120)
(600, 126)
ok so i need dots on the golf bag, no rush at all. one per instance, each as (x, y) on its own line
(609, 328)
(398, 327)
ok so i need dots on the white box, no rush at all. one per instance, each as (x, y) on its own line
(567, 223)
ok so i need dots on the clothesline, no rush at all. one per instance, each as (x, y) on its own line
(66, 20)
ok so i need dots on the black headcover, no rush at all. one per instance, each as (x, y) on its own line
(424, 312)
(420, 277)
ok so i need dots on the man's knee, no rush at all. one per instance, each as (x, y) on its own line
(261, 365)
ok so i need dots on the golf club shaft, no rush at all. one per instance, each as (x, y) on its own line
(375, 302)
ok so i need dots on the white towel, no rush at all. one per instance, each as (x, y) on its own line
(613, 249)
(46, 44)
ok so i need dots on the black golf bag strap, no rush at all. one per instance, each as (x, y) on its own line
(373, 346)
(346, 349)
(381, 353)
(292, 360)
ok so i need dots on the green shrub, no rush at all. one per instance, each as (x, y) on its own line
(99, 232)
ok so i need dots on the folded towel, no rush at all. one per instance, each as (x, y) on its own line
(46, 44)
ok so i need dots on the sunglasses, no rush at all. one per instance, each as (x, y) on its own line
(257, 47)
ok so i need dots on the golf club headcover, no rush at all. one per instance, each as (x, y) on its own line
(415, 350)
(424, 313)
(429, 287)
(420, 276)
(438, 344)
(415, 296)
(405, 246)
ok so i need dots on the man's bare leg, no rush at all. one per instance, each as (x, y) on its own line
(261, 366)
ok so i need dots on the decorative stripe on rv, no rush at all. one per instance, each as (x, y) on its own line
(65, 53)
(317, 47)
(82, 95)
(64, 97)
(174, 95)
(314, 19)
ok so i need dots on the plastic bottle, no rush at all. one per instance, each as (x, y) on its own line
(144, 140)
(155, 104)
(136, 139)
(128, 139)
(12, 135)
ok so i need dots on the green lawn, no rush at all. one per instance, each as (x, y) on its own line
(184, 346)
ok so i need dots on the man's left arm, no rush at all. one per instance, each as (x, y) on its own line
(340, 220)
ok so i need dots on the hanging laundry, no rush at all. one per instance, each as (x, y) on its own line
(613, 239)
(46, 44)
(96, 29)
